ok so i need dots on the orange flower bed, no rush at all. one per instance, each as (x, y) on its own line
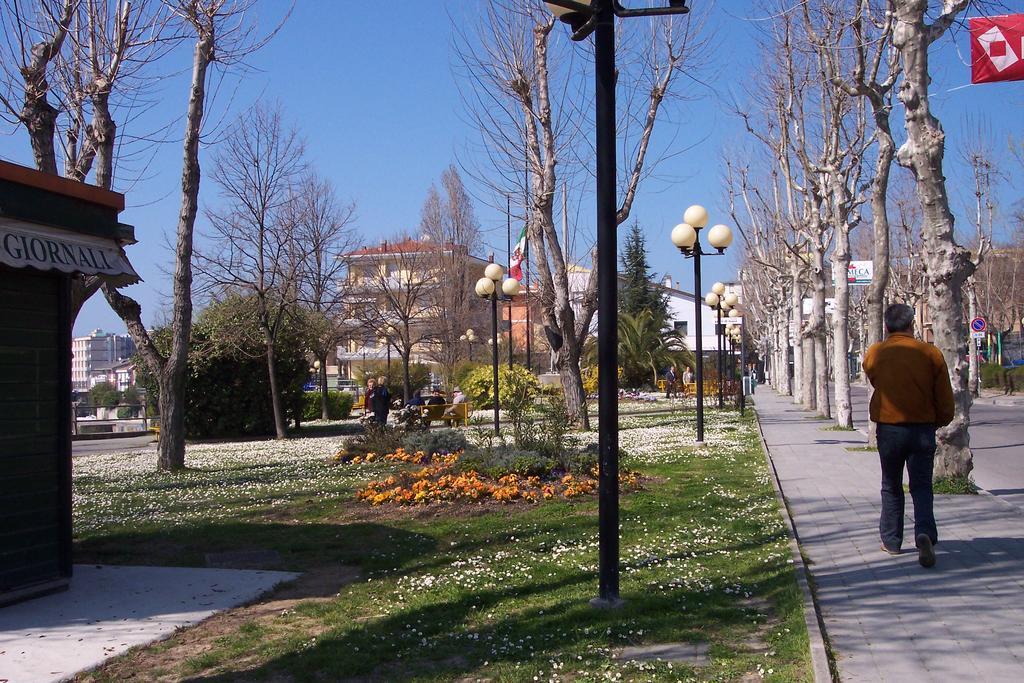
(438, 480)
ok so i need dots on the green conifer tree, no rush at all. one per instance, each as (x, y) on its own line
(638, 293)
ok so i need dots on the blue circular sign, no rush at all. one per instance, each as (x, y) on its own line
(979, 325)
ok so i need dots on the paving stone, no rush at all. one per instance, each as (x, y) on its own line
(888, 618)
(691, 654)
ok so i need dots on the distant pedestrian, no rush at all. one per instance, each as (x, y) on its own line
(670, 381)
(382, 401)
(1008, 387)
(912, 398)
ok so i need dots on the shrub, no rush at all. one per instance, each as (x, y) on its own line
(339, 405)
(104, 394)
(497, 462)
(228, 391)
(376, 438)
(464, 369)
(515, 385)
(545, 429)
(435, 441)
(991, 375)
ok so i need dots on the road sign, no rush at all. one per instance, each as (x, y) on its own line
(978, 325)
(977, 335)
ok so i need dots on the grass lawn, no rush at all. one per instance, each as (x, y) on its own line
(468, 591)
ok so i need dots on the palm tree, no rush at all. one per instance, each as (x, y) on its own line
(646, 347)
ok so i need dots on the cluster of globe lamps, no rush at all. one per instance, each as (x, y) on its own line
(488, 288)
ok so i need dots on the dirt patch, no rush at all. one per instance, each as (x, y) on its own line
(163, 662)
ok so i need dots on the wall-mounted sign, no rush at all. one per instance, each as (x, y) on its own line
(860, 272)
(45, 248)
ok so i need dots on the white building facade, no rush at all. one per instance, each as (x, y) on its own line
(96, 355)
(682, 307)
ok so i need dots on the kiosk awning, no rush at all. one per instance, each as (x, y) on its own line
(28, 245)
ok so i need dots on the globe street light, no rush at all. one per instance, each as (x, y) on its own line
(469, 337)
(736, 318)
(487, 287)
(716, 301)
(686, 238)
(598, 17)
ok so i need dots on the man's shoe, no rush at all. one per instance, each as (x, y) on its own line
(925, 551)
(891, 552)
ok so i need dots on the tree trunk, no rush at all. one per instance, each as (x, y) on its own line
(840, 329)
(780, 371)
(280, 428)
(816, 331)
(171, 373)
(325, 413)
(880, 238)
(974, 381)
(821, 371)
(406, 389)
(807, 388)
(948, 264)
(171, 447)
(572, 388)
(793, 339)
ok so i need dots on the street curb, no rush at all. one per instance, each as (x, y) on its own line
(1005, 503)
(821, 666)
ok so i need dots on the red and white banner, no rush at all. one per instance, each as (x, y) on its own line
(997, 48)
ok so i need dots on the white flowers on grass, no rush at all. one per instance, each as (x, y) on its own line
(224, 480)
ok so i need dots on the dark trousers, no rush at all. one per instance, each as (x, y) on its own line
(914, 447)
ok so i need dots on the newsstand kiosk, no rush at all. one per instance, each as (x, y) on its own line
(51, 229)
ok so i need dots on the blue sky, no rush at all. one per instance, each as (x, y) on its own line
(372, 86)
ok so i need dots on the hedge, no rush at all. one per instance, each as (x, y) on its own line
(339, 405)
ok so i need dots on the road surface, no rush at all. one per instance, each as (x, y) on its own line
(997, 441)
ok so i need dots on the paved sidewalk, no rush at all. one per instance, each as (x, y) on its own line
(109, 609)
(888, 618)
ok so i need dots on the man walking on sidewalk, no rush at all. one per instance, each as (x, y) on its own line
(912, 398)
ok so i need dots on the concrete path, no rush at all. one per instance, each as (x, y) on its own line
(888, 618)
(109, 609)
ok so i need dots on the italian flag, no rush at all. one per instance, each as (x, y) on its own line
(518, 255)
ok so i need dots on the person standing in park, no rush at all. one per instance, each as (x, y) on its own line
(382, 400)
(670, 381)
(912, 398)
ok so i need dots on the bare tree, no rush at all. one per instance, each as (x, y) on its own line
(253, 244)
(451, 225)
(221, 35)
(978, 156)
(392, 291)
(326, 231)
(948, 264)
(34, 32)
(529, 114)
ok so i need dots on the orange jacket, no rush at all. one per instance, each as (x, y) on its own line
(911, 382)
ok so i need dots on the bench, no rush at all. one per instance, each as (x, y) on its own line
(451, 413)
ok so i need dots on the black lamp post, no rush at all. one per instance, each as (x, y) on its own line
(740, 339)
(686, 237)
(469, 337)
(487, 288)
(598, 17)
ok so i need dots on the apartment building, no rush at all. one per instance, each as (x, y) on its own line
(95, 356)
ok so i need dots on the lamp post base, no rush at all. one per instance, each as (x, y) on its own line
(698, 444)
(607, 603)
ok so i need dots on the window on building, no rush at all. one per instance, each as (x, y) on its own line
(680, 327)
